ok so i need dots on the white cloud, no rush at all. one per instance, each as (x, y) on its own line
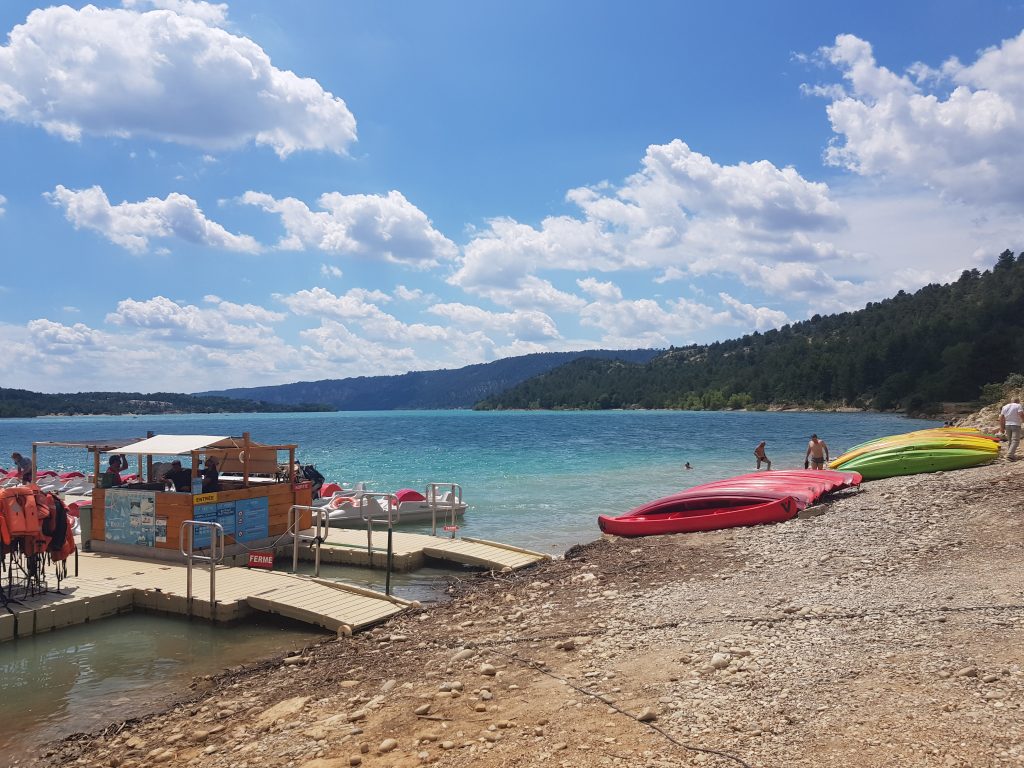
(320, 302)
(956, 129)
(646, 323)
(387, 227)
(162, 75)
(247, 313)
(329, 270)
(749, 316)
(604, 291)
(3, 202)
(402, 293)
(133, 225)
(211, 13)
(167, 320)
(57, 338)
(356, 307)
(680, 211)
(528, 325)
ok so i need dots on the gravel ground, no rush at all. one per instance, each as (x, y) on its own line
(883, 629)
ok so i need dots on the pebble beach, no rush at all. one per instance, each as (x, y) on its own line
(882, 628)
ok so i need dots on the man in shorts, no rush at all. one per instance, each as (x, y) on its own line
(760, 455)
(817, 453)
(1010, 419)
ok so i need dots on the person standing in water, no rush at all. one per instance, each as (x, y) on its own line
(760, 455)
(817, 454)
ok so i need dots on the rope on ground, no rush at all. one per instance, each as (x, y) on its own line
(565, 681)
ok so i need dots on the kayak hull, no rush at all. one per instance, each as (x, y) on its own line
(877, 466)
(930, 450)
(682, 515)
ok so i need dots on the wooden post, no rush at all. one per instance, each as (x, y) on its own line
(34, 468)
(291, 464)
(245, 463)
(96, 467)
(149, 460)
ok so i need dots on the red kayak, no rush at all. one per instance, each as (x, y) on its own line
(689, 515)
(757, 497)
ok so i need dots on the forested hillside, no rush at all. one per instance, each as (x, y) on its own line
(910, 352)
(21, 402)
(455, 388)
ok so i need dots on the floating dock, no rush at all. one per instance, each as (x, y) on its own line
(349, 546)
(108, 585)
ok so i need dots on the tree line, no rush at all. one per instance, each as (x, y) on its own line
(24, 403)
(910, 352)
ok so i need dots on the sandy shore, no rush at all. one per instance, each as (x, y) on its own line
(886, 631)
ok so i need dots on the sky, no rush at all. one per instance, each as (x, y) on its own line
(199, 195)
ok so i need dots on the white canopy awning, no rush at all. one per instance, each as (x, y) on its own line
(177, 445)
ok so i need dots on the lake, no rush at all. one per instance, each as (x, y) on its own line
(533, 479)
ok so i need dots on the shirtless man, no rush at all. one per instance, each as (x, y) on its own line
(760, 455)
(817, 453)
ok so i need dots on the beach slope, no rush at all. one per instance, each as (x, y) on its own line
(884, 631)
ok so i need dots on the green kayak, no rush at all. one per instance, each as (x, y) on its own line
(907, 460)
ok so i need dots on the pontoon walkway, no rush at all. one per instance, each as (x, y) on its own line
(110, 585)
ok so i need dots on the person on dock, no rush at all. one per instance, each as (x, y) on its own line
(761, 456)
(181, 477)
(112, 477)
(817, 454)
(1010, 418)
(211, 477)
(24, 466)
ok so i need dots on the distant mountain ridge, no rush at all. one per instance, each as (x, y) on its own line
(911, 352)
(23, 403)
(444, 388)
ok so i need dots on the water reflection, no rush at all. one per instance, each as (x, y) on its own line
(79, 679)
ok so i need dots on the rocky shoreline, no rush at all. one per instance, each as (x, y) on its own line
(882, 629)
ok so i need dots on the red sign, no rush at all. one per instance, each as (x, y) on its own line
(302, 486)
(261, 558)
(451, 527)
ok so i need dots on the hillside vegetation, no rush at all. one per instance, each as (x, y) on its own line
(23, 403)
(455, 388)
(910, 352)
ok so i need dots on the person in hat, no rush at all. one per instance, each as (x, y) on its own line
(211, 477)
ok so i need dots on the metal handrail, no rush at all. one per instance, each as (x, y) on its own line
(432, 497)
(323, 524)
(216, 538)
(322, 529)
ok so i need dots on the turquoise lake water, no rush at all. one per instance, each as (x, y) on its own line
(534, 479)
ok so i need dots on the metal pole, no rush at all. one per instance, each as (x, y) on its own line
(188, 569)
(391, 559)
(316, 566)
(216, 534)
(294, 527)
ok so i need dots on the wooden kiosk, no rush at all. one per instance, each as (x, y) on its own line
(257, 490)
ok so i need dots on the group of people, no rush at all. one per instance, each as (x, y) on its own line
(181, 477)
(816, 456)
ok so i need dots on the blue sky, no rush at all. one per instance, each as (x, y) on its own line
(198, 195)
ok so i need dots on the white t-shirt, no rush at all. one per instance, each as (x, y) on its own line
(1012, 412)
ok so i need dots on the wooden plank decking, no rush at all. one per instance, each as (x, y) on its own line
(348, 546)
(108, 585)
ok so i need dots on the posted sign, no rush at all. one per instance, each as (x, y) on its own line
(261, 558)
